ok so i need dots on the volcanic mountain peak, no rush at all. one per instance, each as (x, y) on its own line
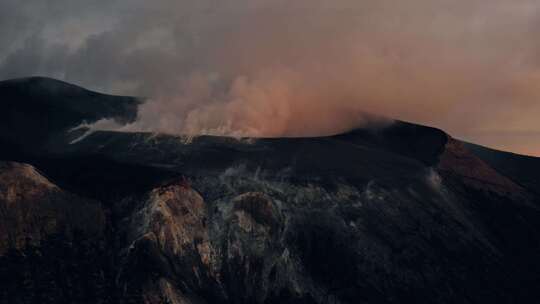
(400, 214)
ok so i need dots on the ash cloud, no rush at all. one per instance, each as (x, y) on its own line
(293, 68)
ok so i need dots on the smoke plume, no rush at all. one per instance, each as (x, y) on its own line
(294, 68)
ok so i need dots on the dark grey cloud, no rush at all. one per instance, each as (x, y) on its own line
(306, 67)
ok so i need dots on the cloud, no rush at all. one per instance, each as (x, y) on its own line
(289, 68)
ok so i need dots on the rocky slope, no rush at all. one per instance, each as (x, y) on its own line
(403, 214)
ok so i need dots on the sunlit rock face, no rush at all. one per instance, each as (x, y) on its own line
(53, 243)
(402, 214)
(35, 209)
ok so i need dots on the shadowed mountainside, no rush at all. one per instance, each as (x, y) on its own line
(34, 109)
(400, 214)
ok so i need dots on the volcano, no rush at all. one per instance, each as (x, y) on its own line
(397, 214)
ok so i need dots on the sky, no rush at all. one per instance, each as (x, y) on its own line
(294, 67)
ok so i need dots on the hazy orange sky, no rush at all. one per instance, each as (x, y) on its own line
(293, 68)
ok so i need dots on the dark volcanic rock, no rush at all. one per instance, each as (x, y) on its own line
(33, 209)
(403, 214)
(52, 243)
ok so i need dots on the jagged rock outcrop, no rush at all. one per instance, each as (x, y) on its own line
(33, 209)
(221, 252)
(52, 242)
(309, 244)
